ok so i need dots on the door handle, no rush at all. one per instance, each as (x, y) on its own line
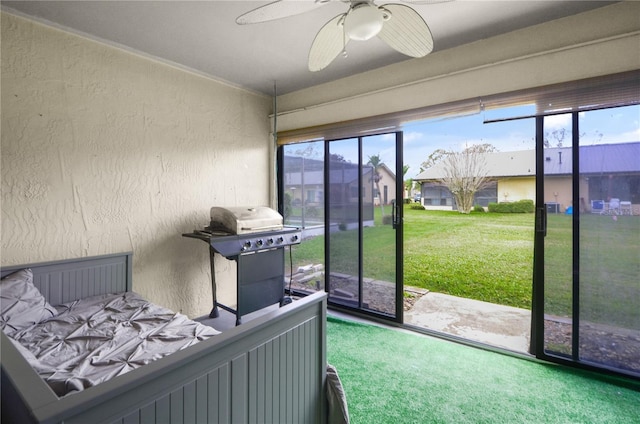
(395, 214)
(541, 220)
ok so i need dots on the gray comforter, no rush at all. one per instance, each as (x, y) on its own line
(94, 339)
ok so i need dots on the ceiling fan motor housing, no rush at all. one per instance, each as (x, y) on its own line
(363, 22)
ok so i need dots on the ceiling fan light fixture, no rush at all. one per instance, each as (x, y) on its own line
(363, 22)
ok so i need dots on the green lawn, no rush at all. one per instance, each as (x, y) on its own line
(483, 256)
(609, 268)
(479, 256)
(489, 257)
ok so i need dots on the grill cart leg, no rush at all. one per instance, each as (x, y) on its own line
(214, 312)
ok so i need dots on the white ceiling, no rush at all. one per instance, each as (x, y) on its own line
(203, 35)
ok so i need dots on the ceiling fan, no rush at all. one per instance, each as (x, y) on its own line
(400, 26)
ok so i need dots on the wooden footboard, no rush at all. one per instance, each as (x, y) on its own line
(270, 369)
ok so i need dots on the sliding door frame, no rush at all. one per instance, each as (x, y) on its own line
(537, 345)
(398, 317)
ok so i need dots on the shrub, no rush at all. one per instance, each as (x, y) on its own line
(521, 206)
(478, 208)
(287, 206)
(312, 211)
(525, 206)
(417, 206)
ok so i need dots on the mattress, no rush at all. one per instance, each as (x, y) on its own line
(97, 338)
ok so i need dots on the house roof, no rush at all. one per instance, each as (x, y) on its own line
(500, 164)
(339, 175)
(314, 171)
(388, 170)
(595, 159)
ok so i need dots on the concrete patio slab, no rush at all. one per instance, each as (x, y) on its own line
(497, 325)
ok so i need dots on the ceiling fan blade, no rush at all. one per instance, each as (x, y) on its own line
(406, 31)
(277, 10)
(328, 44)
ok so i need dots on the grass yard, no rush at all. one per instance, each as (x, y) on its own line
(609, 268)
(479, 256)
(482, 256)
(489, 257)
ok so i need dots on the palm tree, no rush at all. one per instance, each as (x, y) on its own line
(376, 162)
(408, 184)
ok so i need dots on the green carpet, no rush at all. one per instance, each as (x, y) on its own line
(397, 377)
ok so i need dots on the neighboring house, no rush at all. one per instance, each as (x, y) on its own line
(304, 183)
(607, 171)
(304, 180)
(512, 177)
(387, 184)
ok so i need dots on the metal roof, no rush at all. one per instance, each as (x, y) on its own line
(595, 159)
(499, 164)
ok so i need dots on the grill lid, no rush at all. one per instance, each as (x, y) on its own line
(245, 220)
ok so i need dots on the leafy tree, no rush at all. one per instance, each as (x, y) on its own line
(465, 172)
(435, 157)
(308, 151)
(334, 157)
(405, 169)
(408, 184)
(287, 206)
(555, 137)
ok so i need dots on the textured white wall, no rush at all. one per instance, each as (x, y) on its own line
(104, 151)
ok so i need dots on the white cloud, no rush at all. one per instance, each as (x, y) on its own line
(555, 122)
(411, 137)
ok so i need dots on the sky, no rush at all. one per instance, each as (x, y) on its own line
(619, 125)
(616, 125)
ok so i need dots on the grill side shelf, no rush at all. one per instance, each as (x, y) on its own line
(230, 246)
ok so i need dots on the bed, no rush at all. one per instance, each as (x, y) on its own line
(269, 369)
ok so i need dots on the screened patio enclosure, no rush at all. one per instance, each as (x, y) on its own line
(585, 182)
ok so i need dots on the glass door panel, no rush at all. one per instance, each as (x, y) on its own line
(591, 249)
(609, 264)
(344, 223)
(302, 206)
(558, 248)
(363, 224)
(378, 234)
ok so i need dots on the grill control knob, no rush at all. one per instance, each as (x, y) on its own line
(280, 239)
(259, 242)
(247, 245)
(294, 238)
(269, 241)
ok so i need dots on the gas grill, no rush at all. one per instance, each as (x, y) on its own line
(255, 238)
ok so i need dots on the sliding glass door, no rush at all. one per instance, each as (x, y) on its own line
(301, 203)
(363, 221)
(591, 250)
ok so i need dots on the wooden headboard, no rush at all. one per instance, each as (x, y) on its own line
(68, 280)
